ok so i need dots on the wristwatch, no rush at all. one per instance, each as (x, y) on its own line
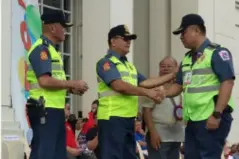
(216, 114)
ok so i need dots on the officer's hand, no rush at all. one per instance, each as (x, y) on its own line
(156, 94)
(212, 123)
(76, 92)
(79, 85)
(155, 139)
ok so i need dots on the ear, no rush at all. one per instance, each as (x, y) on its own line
(112, 42)
(53, 28)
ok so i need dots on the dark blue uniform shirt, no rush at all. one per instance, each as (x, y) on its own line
(112, 73)
(41, 66)
(222, 64)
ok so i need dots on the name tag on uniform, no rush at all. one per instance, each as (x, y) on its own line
(188, 78)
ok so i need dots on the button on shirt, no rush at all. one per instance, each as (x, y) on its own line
(41, 66)
(112, 73)
(221, 66)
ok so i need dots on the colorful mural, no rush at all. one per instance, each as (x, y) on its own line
(30, 29)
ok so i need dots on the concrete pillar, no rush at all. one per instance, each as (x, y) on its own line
(141, 28)
(98, 17)
(159, 39)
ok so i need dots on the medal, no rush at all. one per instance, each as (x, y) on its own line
(178, 110)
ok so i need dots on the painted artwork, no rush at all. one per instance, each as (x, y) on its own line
(26, 29)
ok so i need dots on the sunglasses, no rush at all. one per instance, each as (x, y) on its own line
(125, 38)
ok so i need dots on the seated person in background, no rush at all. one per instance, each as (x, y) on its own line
(71, 145)
(79, 124)
(235, 151)
(92, 139)
(81, 138)
(140, 136)
(90, 123)
(72, 121)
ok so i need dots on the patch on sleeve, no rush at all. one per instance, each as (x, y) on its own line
(224, 55)
(106, 66)
(44, 55)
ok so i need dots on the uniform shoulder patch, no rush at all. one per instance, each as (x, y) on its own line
(224, 55)
(44, 55)
(106, 66)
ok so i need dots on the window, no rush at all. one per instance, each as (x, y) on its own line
(66, 47)
(237, 4)
(237, 12)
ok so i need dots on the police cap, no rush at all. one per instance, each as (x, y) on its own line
(187, 20)
(121, 30)
(55, 16)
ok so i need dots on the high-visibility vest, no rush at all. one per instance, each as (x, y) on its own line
(112, 103)
(198, 103)
(53, 98)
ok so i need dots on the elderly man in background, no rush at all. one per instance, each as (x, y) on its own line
(165, 128)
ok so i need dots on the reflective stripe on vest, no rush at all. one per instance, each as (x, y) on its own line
(54, 66)
(108, 93)
(122, 74)
(112, 103)
(202, 71)
(203, 89)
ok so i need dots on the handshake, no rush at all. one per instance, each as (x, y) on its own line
(156, 94)
(77, 87)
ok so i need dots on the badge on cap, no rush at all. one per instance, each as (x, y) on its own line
(224, 55)
(43, 55)
(106, 66)
(126, 28)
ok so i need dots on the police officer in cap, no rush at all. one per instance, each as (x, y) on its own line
(206, 77)
(47, 79)
(119, 85)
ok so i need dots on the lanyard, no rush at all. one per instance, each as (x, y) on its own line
(174, 103)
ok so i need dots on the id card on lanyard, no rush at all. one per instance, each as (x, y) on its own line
(178, 109)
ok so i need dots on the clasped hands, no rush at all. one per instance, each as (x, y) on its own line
(156, 94)
(78, 87)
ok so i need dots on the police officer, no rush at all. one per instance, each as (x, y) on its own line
(119, 84)
(47, 78)
(206, 76)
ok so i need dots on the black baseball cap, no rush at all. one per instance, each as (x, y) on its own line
(121, 30)
(187, 20)
(55, 16)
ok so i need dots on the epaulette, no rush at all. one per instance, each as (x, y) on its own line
(108, 56)
(45, 42)
(213, 46)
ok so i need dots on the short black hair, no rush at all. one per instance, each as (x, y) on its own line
(84, 119)
(95, 102)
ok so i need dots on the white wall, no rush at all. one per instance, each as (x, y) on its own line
(5, 53)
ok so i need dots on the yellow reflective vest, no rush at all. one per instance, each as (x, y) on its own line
(200, 85)
(53, 98)
(112, 103)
